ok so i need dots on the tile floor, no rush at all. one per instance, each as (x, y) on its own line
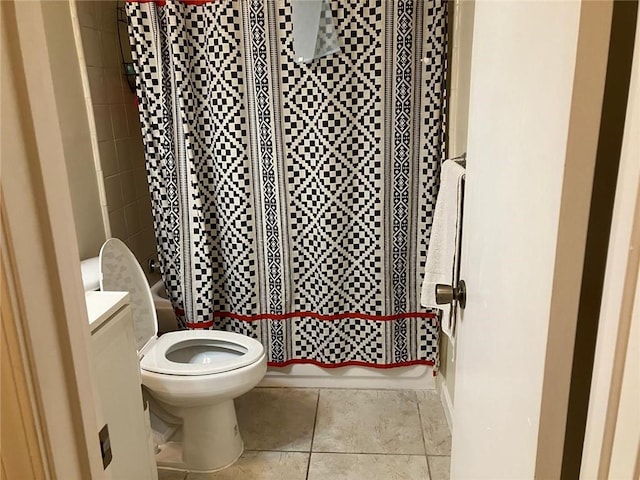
(318, 434)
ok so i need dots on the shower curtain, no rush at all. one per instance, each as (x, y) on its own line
(293, 201)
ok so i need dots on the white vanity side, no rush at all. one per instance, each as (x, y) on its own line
(116, 376)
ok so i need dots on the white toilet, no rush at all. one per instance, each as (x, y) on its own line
(192, 376)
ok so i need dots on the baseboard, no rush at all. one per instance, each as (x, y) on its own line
(415, 377)
(445, 399)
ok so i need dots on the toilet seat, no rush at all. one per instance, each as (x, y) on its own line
(182, 353)
(229, 351)
(121, 272)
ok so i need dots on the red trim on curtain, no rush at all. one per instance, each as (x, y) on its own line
(317, 316)
(207, 324)
(161, 3)
(353, 363)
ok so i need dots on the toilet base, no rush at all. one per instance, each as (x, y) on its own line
(170, 458)
(209, 439)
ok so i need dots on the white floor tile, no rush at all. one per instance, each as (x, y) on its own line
(262, 466)
(439, 467)
(437, 437)
(349, 466)
(368, 421)
(277, 419)
(171, 475)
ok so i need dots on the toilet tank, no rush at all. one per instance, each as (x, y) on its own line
(90, 269)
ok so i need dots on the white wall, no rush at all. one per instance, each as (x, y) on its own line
(74, 125)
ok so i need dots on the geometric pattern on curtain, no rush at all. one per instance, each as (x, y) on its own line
(293, 202)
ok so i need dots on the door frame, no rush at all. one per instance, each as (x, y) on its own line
(40, 254)
(608, 413)
(589, 85)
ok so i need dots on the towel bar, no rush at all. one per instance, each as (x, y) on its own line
(460, 160)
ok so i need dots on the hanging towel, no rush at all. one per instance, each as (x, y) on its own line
(442, 257)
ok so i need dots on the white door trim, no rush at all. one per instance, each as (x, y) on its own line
(618, 304)
(41, 250)
(582, 147)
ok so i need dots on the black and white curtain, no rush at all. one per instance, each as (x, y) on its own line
(293, 201)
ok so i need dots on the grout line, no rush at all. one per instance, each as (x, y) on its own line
(275, 449)
(424, 440)
(380, 454)
(282, 387)
(351, 453)
(313, 434)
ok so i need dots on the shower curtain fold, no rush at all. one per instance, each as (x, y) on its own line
(293, 202)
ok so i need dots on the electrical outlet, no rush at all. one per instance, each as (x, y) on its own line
(105, 446)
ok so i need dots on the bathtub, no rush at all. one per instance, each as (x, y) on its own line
(415, 377)
(166, 318)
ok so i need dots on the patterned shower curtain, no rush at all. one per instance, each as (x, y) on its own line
(293, 202)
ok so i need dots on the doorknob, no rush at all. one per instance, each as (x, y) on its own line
(447, 294)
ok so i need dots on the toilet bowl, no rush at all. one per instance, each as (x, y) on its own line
(192, 376)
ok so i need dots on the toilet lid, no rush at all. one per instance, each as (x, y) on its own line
(200, 352)
(121, 272)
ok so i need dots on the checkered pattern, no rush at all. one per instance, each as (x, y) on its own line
(281, 188)
(332, 117)
(348, 340)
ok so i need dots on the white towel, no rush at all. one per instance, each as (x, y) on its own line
(442, 258)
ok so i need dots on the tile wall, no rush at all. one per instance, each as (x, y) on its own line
(117, 127)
